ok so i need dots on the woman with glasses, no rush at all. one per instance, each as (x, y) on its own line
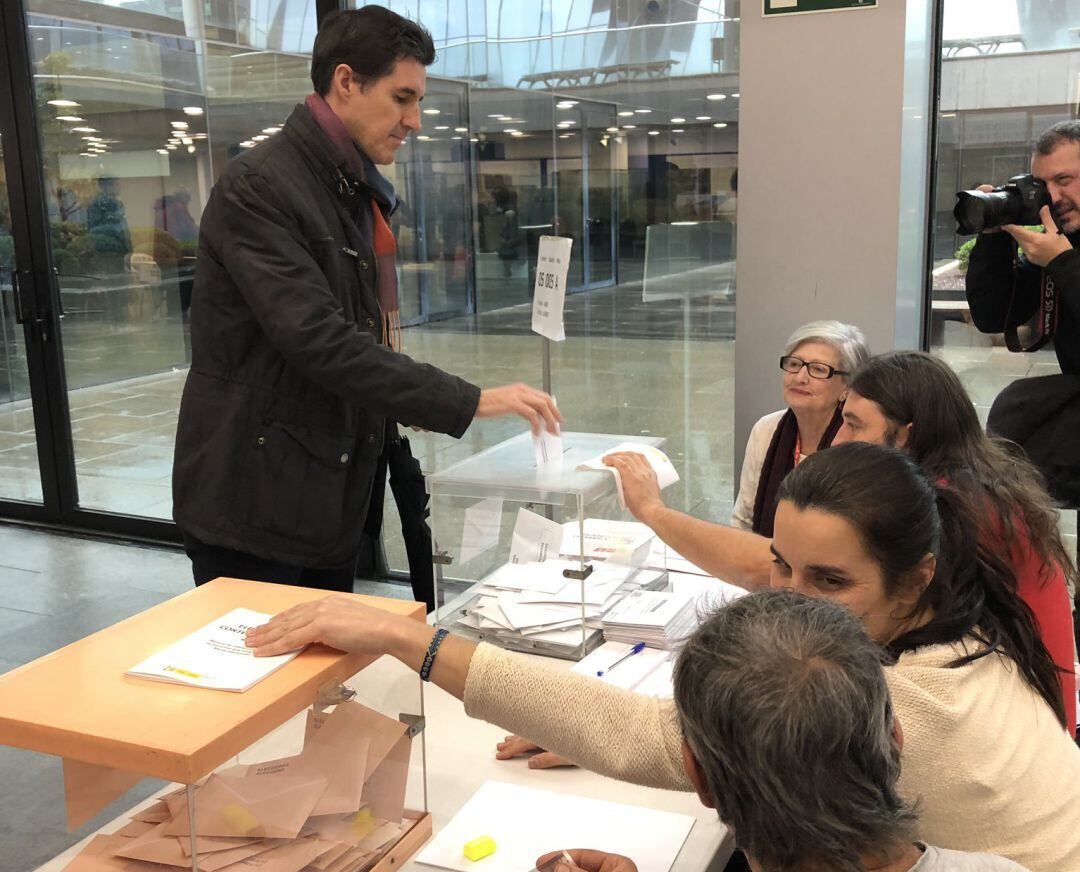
(818, 359)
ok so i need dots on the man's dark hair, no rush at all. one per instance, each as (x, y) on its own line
(1063, 131)
(370, 40)
(783, 702)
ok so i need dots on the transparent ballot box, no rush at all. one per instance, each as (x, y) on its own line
(318, 767)
(531, 557)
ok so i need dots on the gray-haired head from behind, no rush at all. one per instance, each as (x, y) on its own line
(783, 702)
(847, 339)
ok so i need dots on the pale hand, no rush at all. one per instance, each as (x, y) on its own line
(534, 406)
(515, 746)
(338, 621)
(589, 861)
(640, 486)
(1040, 248)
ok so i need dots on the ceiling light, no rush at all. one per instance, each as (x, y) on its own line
(629, 127)
(432, 112)
(162, 151)
(626, 114)
(443, 127)
(654, 133)
(260, 138)
(473, 139)
(75, 119)
(193, 110)
(704, 118)
(84, 129)
(720, 124)
(92, 138)
(247, 143)
(677, 120)
(736, 95)
(678, 130)
(565, 135)
(187, 140)
(191, 149)
(461, 130)
(271, 130)
(198, 136)
(612, 129)
(85, 154)
(642, 111)
(63, 104)
(566, 104)
(511, 130)
(496, 116)
(716, 96)
(173, 147)
(424, 138)
(517, 133)
(179, 125)
(455, 137)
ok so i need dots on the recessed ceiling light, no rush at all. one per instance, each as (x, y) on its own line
(179, 125)
(612, 129)
(162, 151)
(626, 114)
(85, 154)
(247, 143)
(260, 138)
(496, 116)
(654, 133)
(629, 127)
(642, 111)
(516, 133)
(473, 139)
(566, 104)
(677, 120)
(433, 112)
(461, 130)
(193, 110)
(187, 140)
(443, 127)
(424, 138)
(74, 119)
(271, 130)
(704, 118)
(720, 124)
(92, 138)
(191, 149)
(678, 130)
(455, 137)
(173, 147)
(736, 95)
(716, 96)
(63, 104)
(84, 129)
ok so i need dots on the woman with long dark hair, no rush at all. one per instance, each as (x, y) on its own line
(985, 757)
(915, 401)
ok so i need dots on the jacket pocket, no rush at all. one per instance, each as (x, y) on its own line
(294, 484)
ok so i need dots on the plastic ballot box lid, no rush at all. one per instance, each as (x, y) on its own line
(509, 471)
(77, 703)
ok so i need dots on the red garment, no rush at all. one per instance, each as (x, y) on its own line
(1046, 596)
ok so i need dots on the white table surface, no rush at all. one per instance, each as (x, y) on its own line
(461, 757)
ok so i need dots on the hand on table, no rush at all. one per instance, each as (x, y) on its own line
(1040, 248)
(534, 406)
(515, 746)
(640, 486)
(338, 621)
(589, 861)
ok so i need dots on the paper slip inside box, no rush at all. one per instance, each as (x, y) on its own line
(525, 823)
(662, 556)
(665, 472)
(214, 656)
(627, 542)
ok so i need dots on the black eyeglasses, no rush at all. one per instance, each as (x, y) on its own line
(792, 364)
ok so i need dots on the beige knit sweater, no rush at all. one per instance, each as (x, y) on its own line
(984, 759)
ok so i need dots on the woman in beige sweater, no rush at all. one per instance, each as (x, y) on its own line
(986, 757)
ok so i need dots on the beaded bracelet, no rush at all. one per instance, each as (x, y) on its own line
(433, 649)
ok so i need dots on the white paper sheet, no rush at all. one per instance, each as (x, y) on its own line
(480, 531)
(631, 673)
(549, 289)
(535, 538)
(544, 577)
(708, 592)
(665, 472)
(526, 822)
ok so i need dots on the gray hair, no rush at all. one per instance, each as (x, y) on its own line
(847, 339)
(1063, 131)
(783, 702)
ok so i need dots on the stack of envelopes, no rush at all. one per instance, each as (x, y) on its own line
(537, 602)
(337, 806)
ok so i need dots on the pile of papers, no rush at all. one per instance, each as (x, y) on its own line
(537, 603)
(337, 806)
(660, 619)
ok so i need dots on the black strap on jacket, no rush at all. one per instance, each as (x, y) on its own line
(1048, 312)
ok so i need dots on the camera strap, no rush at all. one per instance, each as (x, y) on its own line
(1048, 313)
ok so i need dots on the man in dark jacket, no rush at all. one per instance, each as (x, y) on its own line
(1052, 255)
(294, 330)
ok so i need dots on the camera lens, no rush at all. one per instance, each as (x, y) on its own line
(976, 211)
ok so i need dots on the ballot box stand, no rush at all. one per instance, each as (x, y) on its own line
(318, 767)
(512, 558)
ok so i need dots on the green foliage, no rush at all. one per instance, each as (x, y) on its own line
(963, 253)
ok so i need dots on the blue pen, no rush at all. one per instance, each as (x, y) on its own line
(637, 649)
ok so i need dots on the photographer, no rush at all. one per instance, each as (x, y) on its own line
(1001, 296)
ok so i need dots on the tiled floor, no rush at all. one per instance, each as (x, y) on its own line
(55, 589)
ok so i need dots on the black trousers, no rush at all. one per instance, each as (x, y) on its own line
(212, 561)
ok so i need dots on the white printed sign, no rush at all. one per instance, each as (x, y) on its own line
(549, 290)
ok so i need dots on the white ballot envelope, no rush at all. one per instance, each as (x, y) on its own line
(662, 466)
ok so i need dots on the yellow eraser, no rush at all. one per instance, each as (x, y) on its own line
(480, 847)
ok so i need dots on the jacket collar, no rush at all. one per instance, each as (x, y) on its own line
(349, 180)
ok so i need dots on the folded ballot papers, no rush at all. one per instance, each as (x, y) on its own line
(660, 619)
(337, 806)
(662, 466)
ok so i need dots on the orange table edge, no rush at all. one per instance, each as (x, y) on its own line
(77, 703)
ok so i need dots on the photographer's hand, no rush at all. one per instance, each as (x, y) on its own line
(1040, 248)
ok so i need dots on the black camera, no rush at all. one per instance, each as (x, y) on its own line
(1018, 201)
